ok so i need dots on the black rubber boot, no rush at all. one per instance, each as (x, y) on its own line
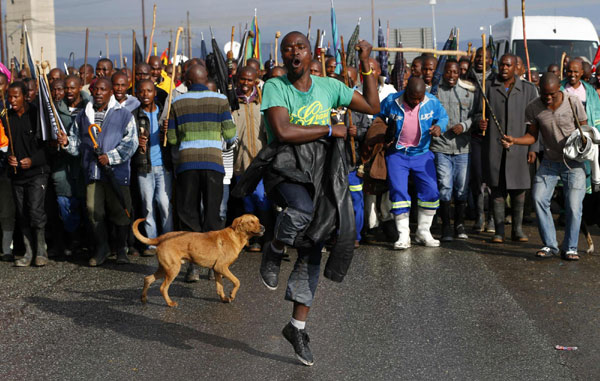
(444, 212)
(41, 257)
(459, 220)
(122, 235)
(480, 219)
(389, 228)
(499, 206)
(102, 248)
(518, 204)
(192, 274)
(267, 219)
(28, 242)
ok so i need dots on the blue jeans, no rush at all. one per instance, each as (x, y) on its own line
(70, 212)
(452, 175)
(156, 187)
(574, 186)
(224, 201)
(356, 192)
(257, 201)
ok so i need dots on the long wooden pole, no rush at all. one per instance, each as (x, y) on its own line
(347, 81)
(152, 33)
(525, 41)
(562, 64)
(143, 27)
(422, 50)
(373, 22)
(309, 22)
(171, 85)
(277, 35)
(106, 40)
(121, 52)
(87, 38)
(484, 75)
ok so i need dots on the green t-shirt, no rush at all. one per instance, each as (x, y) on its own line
(311, 107)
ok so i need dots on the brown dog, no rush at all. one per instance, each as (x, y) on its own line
(216, 250)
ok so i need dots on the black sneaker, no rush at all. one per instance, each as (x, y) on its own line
(269, 267)
(299, 340)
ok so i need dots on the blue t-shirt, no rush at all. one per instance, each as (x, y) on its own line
(155, 154)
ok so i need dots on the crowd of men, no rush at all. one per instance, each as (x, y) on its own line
(409, 154)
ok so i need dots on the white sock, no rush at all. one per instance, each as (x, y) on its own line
(276, 250)
(298, 324)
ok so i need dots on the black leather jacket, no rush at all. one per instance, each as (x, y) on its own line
(323, 166)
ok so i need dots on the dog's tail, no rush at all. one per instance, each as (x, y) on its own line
(140, 237)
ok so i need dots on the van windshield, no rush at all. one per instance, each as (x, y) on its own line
(543, 53)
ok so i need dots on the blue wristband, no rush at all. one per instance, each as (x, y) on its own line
(330, 130)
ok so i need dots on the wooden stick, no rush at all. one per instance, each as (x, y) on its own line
(133, 66)
(121, 52)
(151, 34)
(230, 52)
(470, 45)
(347, 81)
(525, 41)
(277, 35)
(9, 133)
(562, 64)
(422, 50)
(308, 34)
(87, 37)
(323, 74)
(483, 79)
(171, 86)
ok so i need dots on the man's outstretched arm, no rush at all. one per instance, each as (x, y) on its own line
(368, 102)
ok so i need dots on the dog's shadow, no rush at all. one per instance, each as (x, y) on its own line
(101, 311)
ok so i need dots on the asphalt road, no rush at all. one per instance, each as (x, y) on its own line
(468, 311)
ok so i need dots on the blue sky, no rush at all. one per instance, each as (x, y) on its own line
(119, 16)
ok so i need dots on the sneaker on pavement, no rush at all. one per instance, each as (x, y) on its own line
(270, 265)
(299, 340)
(149, 252)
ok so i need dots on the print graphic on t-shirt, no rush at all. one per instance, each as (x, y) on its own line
(311, 114)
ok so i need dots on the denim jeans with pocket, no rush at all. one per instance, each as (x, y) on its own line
(573, 179)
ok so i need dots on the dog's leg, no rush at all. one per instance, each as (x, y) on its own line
(170, 275)
(236, 282)
(148, 280)
(219, 284)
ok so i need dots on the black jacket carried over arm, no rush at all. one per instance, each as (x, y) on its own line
(322, 166)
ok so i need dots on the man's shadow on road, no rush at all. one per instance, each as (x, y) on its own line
(103, 313)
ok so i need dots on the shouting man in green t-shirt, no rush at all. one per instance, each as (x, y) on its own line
(297, 109)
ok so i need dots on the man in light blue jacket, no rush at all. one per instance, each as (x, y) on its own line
(413, 116)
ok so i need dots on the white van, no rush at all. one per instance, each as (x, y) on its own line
(547, 38)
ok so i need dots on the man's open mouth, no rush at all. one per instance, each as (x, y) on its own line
(296, 62)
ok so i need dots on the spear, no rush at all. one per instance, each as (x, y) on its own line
(133, 66)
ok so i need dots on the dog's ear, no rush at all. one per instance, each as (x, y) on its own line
(236, 223)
